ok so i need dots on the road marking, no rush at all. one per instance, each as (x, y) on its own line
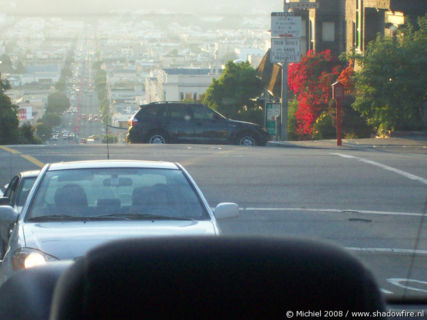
(25, 156)
(390, 250)
(385, 167)
(10, 150)
(372, 212)
(33, 160)
(403, 283)
(386, 291)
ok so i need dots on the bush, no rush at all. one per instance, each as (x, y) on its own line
(323, 128)
(111, 139)
(292, 120)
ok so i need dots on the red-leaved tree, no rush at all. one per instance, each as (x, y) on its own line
(311, 81)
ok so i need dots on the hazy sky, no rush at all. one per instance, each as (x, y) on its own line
(100, 6)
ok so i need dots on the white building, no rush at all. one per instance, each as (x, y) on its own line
(177, 84)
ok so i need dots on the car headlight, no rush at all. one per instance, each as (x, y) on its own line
(26, 258)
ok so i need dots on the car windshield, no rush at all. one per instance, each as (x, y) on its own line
(82, 194)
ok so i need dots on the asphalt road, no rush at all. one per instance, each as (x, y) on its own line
(368, 200)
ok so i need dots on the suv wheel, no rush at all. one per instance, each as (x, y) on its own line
(156, 138)
(247, 139)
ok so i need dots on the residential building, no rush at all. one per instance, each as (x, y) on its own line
(367, 18)
(344, 25)
(176, 84)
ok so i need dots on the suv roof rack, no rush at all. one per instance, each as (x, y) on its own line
(166, 102)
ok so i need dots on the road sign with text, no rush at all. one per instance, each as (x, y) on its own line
(302, 5)
(285, 50)
(284, 25)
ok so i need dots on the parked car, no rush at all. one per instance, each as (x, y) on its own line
(75, 206)
(15, 195)
(16, 191)
(169, 122)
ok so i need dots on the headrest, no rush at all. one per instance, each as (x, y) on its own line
(71, 195)
(27, 295)
(213, 278)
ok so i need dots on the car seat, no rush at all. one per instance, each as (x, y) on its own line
(213, 278)
(71, 199)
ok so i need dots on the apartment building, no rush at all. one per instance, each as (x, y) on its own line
(344, 25)
(176, 84)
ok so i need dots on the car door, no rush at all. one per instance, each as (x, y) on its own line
(180, 125)
(210, 127)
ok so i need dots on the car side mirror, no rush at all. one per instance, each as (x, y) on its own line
(8, 215)
(4, 201)
(226, 210)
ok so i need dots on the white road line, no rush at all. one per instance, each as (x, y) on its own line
(321, 210)
(418, 252)
(386, 291)
(385, 167)
(404, 283)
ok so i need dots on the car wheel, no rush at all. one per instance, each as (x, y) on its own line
(156, 138)
(247, 139)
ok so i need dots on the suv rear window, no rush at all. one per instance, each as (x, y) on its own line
(155, 111)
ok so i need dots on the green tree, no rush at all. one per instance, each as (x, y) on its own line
(57, 103)
(234, 93)
(391, 86)
(51, 119)
(6, 64)
(60, 85)
(26, 135)
(9, 122)
(43, 131)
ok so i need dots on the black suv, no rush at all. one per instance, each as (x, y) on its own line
(168, 122)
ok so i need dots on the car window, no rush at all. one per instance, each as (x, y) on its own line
(179, 112)
(11, 188)
(203, 113)
(23, 190)
(94, 192)
(153, 111)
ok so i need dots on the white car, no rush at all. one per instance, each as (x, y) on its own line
(75, 206)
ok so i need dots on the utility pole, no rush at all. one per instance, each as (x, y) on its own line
(284, 102)
(284, 111)
(285, 49)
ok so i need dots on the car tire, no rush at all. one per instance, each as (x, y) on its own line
(156, 137)
(247, 139)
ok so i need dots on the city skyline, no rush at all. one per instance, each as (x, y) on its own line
(80, 7)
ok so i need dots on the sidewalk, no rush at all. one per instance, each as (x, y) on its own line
(410, 142)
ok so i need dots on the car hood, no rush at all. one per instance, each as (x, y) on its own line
(68, 240)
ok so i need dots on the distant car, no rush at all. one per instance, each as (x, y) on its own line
(75, 206)
(171, 122)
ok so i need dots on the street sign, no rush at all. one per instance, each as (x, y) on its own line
(285, 50)
(302, 5)
(272, 112)
(285, 26)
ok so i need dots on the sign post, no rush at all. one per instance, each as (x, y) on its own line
(338, 95)
(285, 48)
(272, 112)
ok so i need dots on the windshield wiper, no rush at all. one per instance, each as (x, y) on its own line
(137, 216)
(56, 217)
